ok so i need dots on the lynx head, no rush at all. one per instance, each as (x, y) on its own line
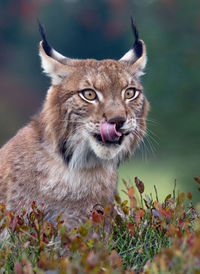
(95, 111)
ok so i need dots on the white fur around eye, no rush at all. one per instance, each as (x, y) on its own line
(89, 101)
(137, 92)
(99, 97)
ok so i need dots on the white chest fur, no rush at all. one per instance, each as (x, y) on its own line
(77, 184)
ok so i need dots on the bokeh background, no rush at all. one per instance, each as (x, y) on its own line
(101, 29)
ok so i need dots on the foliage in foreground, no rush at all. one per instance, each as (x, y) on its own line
(145, 237)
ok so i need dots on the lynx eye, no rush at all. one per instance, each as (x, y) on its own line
(130, 94)
(88, 94)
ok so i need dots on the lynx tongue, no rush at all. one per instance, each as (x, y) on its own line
(109, 132)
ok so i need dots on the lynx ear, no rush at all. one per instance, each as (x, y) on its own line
(53, 63)
(136, 57)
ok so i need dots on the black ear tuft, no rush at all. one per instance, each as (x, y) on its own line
(47, 48)
(134, 30)
(137, 46)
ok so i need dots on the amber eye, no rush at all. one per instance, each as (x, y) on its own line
(131, 93)
(89, 94)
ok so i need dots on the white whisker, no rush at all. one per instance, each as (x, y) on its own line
(148, 120)
(150, 141)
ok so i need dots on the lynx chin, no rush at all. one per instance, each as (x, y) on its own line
(93, 117)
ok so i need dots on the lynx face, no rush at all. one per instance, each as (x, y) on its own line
(95, 110)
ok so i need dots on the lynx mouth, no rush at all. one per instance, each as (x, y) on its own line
(118, 141)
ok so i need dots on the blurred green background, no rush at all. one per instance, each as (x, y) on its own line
(101, 29)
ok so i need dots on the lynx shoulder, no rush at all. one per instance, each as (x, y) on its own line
(93, 117)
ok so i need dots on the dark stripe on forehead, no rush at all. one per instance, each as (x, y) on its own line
(87, 82)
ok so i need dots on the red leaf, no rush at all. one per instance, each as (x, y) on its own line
(115, 260)
(131, 228)
(197, 179)
(18, 268)
(19, 220)
(131, 192)
(189, 196)
(137, 217)
(139, 185)
(97, 218)
(133, 202)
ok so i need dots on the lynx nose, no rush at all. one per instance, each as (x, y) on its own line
(118, 120)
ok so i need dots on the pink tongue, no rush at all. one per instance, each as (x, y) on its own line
(109, 132)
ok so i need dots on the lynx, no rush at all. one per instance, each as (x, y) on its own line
(93, 117)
